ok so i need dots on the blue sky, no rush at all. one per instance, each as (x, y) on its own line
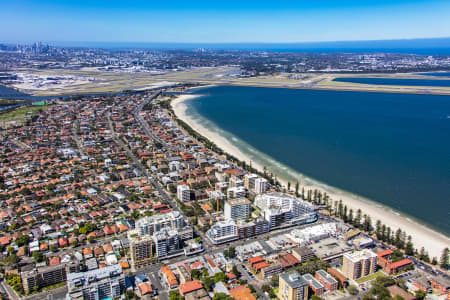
(222, 21)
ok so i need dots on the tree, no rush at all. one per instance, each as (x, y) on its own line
(230, 253)
(383, 233)
(357, 221)
(397, 255)
(353, 290)
(208, 282)
(274, 281)
(222, 296)
(350, 216)
(409, 248)
(445, 263)
(175, 295)
(38, 256)
(388, 235)
(131, 295)
(420, 294)
(315, 297)
(296, 189)
(220, 277)
(236, 271)
(196, 274)
(266, 288)
(22, 240)
(11, 260)
(378, 230)
(367, 224)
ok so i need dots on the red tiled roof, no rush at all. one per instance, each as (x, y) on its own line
(242, 293)
(231, 276)
(54, 261)
(255, 259)
(145, 288)
(385, 253)
(400, 263)
(291, 259)
(190, 286)
(261, 265)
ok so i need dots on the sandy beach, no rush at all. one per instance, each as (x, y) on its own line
(422, 236)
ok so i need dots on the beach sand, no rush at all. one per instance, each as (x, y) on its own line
(422, 236)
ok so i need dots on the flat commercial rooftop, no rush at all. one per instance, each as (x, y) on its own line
(330, 248)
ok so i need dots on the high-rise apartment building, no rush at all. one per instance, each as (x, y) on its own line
(261, 185)
(237, 209)
(166, 242)
(359, 264)
(141, 251)
(292, 286)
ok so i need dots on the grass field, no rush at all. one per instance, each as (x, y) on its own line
(22, 112)
(370, 277)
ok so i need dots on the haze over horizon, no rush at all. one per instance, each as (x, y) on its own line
(225, 22)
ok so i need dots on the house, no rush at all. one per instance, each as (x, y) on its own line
(190, 286)
(242, 293)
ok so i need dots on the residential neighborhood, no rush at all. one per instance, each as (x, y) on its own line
(111, 196)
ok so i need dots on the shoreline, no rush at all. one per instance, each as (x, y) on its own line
(422, 235)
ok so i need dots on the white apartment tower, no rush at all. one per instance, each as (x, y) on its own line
(237, 209)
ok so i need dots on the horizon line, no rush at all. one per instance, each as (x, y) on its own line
(227, 43)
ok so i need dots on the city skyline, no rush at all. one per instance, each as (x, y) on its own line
(233, 22)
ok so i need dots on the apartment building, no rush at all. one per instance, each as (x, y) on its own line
(254, 227)
(292, 286)
(222, 232)
(167, 242)
(327, 280)
(281, 208)
(141, 251)
(43, 277)
(237, 209)
(236, 192)
(261, 185)
(271, 270)
(184, 193)
(303, 253)
(249, 181)
(103, 283)
(314, 285)
(359, 264)
(151, 224)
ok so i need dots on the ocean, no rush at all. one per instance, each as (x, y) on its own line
(438, 74)
(389, 148)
